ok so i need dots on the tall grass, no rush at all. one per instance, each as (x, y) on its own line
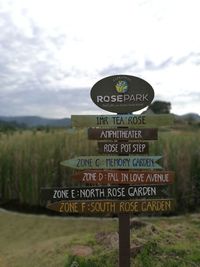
(181, 154)
(30, 160)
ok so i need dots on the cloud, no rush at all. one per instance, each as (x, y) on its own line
(49, 103)
(133, 66)
(185, 104)
(192, 57)
(28, 57)
(49, 62)
(117, 69)
(150, 65)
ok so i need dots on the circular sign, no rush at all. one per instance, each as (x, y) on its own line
(122, 93)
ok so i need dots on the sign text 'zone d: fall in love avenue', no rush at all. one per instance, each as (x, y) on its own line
(124, 177)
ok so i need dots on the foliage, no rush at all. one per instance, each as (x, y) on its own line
(160, 107)
(11, 126)
(92, 261)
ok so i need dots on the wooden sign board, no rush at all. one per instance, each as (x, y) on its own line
(105, 192)
(131, 121)
(122, 93)
(124, 177)
(122, 134)
(106, 206)
(124, 148)
(113, 162)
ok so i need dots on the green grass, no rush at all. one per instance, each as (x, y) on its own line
(35, 241)
(28, 240)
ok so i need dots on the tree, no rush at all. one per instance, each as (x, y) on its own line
(160, 107)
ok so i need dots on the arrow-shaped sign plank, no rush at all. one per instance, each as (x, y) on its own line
(106, 206)
(124, 177)
(113, 162)
(105, 192)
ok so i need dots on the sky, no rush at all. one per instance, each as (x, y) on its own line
(53, 51)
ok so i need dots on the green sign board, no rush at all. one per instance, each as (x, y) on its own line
(131, 121)
(113, 162)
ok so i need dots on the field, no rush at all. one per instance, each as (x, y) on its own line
(35, 241)
(30, 160)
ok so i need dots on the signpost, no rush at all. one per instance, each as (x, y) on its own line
(123, 184)
(105, 192)
(108, 206)
(131, 121)
(122, 93)
(113, 162)
(122, 134)
(124, 177)
(124, 148)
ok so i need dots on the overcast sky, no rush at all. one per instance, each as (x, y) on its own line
(53, 51)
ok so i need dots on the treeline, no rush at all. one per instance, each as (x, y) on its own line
(13, 126)
(31, 159)
(6, 126)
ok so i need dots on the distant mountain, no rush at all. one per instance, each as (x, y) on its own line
(188, 118)
(35, 121)
(191, 117)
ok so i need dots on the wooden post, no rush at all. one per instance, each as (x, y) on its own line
(124, 235)
(124, 240)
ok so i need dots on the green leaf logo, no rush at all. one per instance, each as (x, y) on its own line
(121, 86)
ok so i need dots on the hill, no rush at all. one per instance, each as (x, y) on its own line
(35, 121)
(187, 119)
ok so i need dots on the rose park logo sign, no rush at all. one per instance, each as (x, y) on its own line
(122, 93)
